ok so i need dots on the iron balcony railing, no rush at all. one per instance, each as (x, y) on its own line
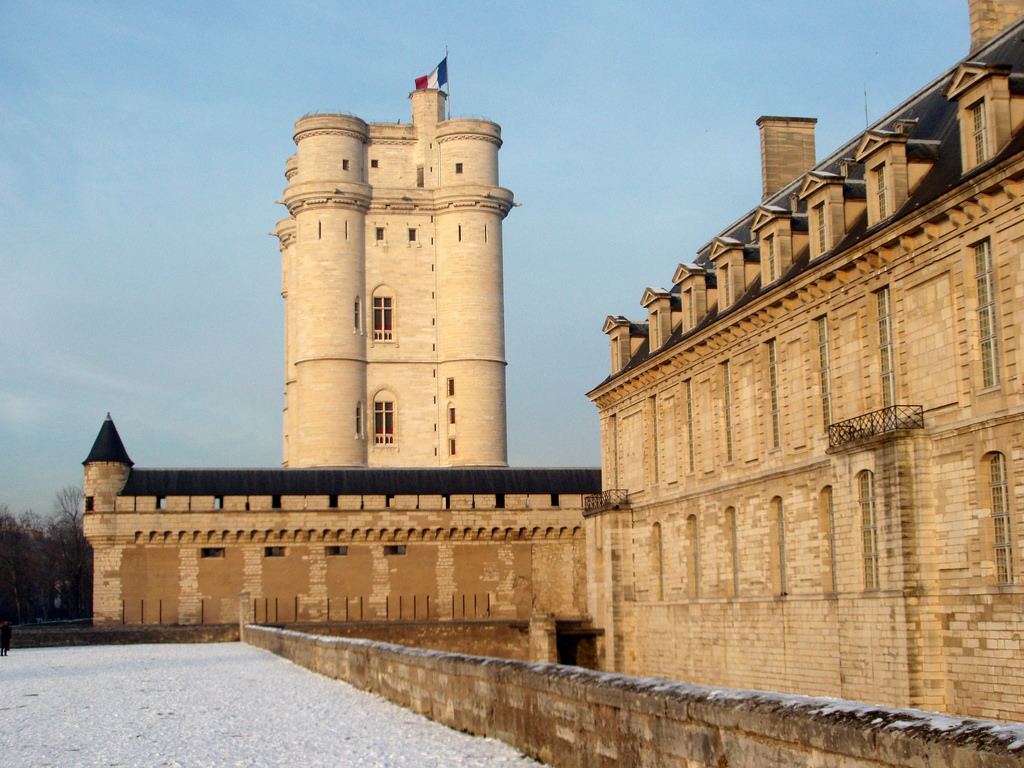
(609, 499)
(876, 423)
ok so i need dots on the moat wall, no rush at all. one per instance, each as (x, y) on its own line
(575, 718)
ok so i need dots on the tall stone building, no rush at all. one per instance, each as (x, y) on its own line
(392, 281)
(813, 443)
(395, 502)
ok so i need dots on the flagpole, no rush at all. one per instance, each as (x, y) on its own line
(449, 83)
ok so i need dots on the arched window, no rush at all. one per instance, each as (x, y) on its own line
(780, 532)
(657, 553)
(868, 528)
(828, 528)
(734, 549)
(694, 546)
(1000, 506)
(383, 315)
(384, 432)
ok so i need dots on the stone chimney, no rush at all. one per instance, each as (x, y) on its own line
(787, 150)
(990, 17)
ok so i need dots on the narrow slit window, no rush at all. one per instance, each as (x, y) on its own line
(999, 498)
(868, 529)
(984, 280)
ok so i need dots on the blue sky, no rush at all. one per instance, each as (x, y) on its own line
(142, 147)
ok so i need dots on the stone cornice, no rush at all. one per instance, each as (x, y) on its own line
(470, 136)
(335, 526)
(362, 137)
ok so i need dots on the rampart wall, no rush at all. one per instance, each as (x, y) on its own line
(571, 717)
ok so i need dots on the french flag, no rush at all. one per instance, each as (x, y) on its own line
(435, 79)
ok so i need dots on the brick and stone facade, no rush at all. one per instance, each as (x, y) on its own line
(819, 458)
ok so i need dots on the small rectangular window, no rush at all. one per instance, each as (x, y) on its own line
(451, 387)
(458, 167)
(218, 502)
(394, 549)
(419, 176)
(273, 551)
(380, 234)
(332, 501)
(335, 550)
(161, 502)
(275, 502)
(554, 499)
(207, 553)
(451, 415)
(451, 447)
(374, 164)
(89, 503)
(412, 235)
(344, 165)
(499, 501)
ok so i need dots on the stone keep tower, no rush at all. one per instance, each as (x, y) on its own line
(392, 281)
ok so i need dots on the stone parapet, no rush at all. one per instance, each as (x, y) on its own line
(571, 717)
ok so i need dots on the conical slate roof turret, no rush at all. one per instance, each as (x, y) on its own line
(108, 445)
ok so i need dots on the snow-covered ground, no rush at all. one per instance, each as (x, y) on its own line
(223, 704)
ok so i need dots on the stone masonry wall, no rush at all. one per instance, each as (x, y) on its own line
(571, 718)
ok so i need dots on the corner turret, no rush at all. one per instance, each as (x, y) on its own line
(106, 469)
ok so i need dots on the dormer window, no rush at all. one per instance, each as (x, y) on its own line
(988, 110)
(658, 304)
(979, 131)
(724, 286)
(691, 282)
(833, 202)
(624, 338)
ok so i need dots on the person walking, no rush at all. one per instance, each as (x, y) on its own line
(5, 637)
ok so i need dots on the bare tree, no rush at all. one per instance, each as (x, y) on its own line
(23, 589)
(71, 555)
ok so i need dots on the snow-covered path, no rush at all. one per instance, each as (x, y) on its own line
(223, 704)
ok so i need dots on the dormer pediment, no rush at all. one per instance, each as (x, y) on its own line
(872, 141)
(685, 271)
(969, 74)
(816, 180)
(652, 295)
(614, 321)
(722, 245)
(766, 214)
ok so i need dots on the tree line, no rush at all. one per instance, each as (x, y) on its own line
(45, 563)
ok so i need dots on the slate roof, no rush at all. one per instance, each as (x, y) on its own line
(934, 134)
(360, 481)
(108, 445)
